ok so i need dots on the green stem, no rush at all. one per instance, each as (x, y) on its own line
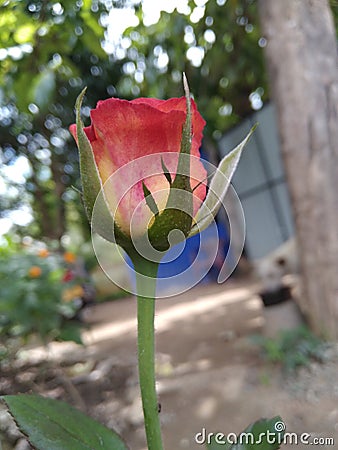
(146, 272)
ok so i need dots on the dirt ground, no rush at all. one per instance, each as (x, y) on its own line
(210, 373)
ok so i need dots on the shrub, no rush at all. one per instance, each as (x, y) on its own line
(40, 295)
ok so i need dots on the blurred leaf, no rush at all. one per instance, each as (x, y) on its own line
(92, 43)
(25, 33)
(292, 348)
(55, 425)
(8, 19)
(216, 446)
(43, 89)
(71, 332)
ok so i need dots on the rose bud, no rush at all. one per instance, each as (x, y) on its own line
(143, 156)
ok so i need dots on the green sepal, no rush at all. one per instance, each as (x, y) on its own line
(178, 212)
(166, 172)
(91, 184)
(149, 199)
(170, 219)
(182, 178)
(91, 187)
(218, 187)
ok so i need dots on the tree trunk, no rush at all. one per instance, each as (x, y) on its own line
(302, 62)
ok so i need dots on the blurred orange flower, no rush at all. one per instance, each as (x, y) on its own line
(34, 272)
(43, 253)
(69, 257)
(71, 293)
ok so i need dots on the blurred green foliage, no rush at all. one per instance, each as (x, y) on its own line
(39, 294)
(50, 50)
(48, 54)
(222, 55)
(292, 348)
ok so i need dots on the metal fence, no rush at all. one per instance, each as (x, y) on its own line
(260, 183)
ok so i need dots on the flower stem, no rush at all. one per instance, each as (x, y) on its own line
(146, 287)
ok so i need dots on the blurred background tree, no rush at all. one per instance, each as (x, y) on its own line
(50, 50)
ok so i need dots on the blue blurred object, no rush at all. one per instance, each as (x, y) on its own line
(196, 260)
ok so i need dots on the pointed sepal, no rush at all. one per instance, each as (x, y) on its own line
(150, 200)
(179, 203)
(166, 172)
(90, 179)
(218, 187)
(178, 212)
(92, 192)
(182, 179)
